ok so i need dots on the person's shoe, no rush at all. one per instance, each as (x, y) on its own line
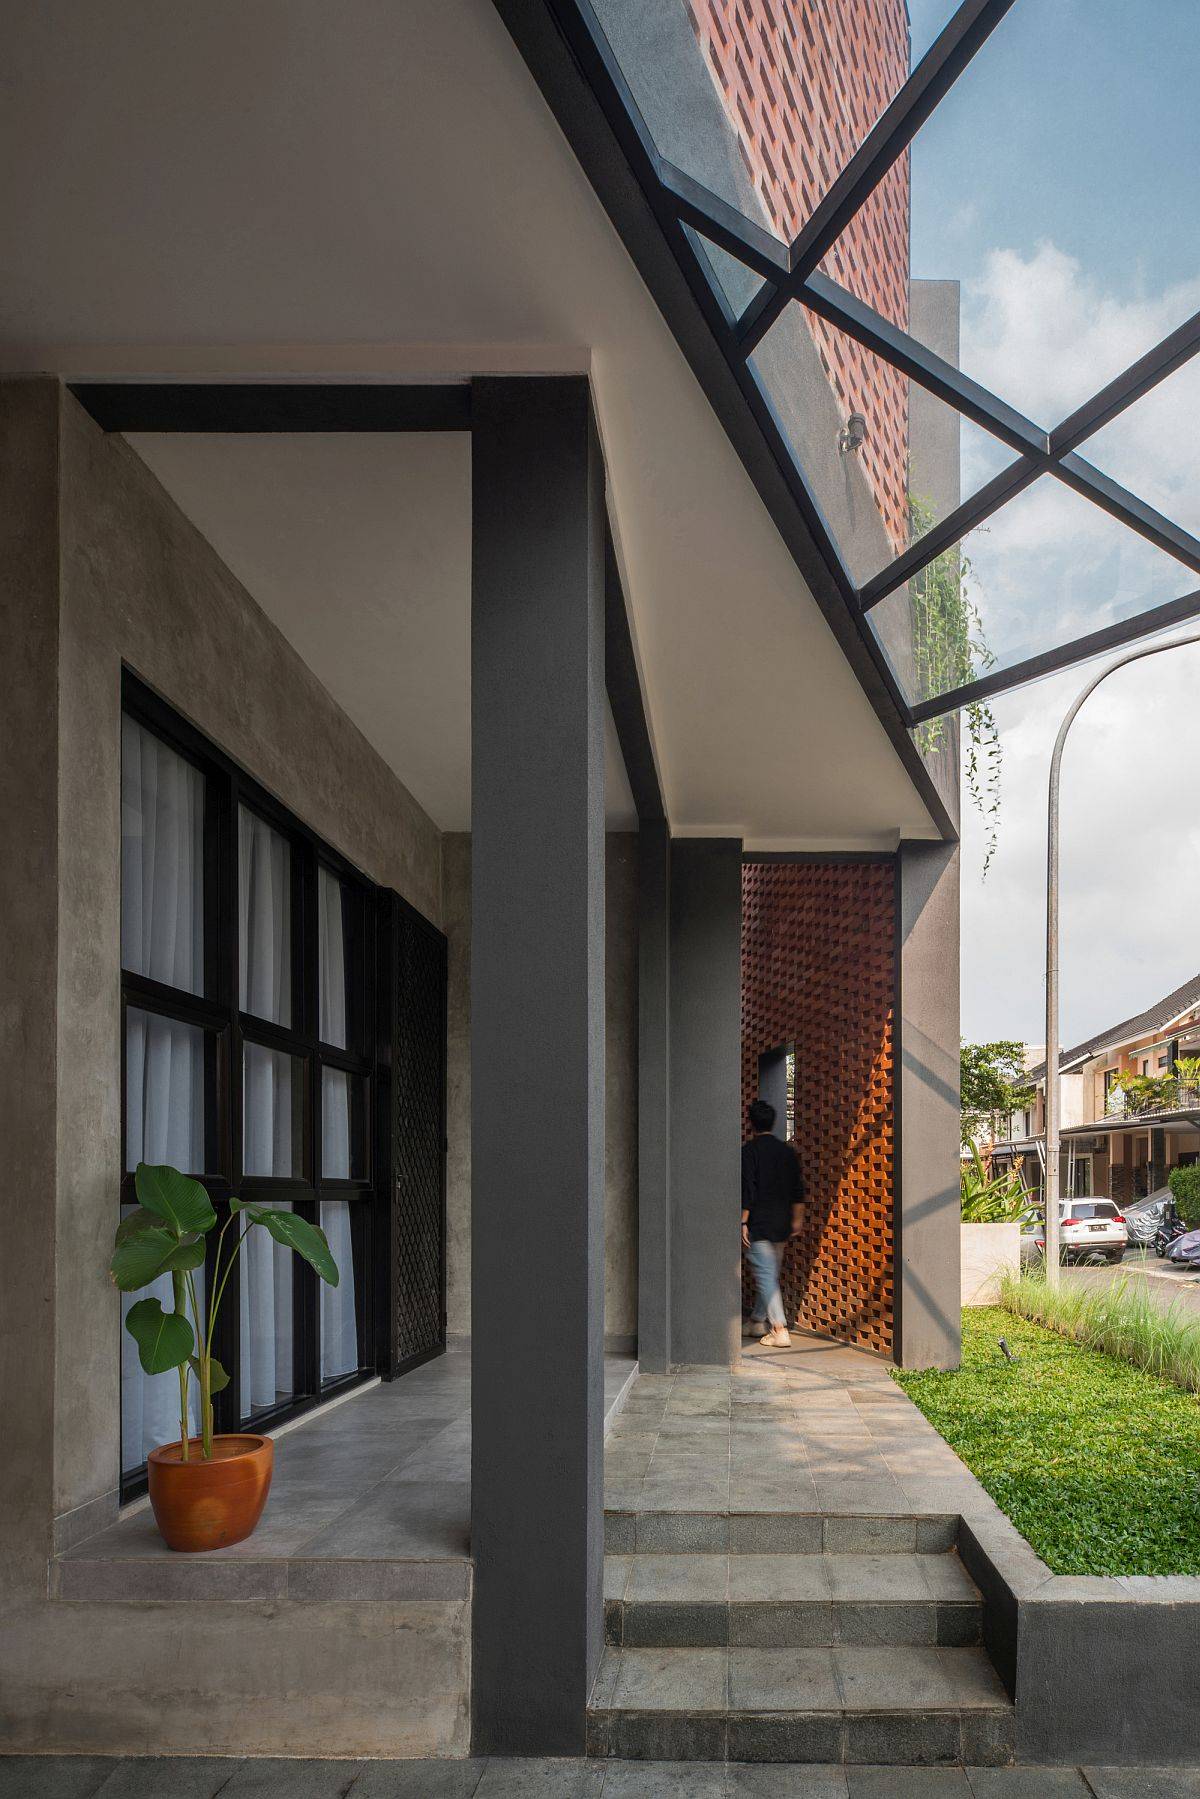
(757, 1327)
(777, 1338)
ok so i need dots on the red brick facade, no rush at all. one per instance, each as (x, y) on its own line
(819, 972)
(802, 82)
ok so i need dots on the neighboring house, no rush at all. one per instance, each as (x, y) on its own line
(1116, 1144)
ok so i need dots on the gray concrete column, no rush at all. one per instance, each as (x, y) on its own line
(537, 1063)
(654, 1135)
(705, 1099)
(29, 849)
(928, 1333)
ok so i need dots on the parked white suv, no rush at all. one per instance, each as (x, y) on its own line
(1089, 1227)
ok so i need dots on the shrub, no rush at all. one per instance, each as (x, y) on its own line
(990, 1200)
(1121, 1319)
(1185, 1191)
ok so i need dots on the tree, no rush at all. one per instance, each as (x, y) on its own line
(993, 1081)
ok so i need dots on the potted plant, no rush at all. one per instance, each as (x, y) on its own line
(206, 1491)
(991, 1229)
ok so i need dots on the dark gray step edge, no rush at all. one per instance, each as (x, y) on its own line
(977, 1736)
(777, 1533)
(792, 1624)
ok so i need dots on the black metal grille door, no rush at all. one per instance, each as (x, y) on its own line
(417, 1120)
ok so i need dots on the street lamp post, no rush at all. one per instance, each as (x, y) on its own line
(1052, 1074)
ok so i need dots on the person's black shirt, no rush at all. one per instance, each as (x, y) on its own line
(771, 1186)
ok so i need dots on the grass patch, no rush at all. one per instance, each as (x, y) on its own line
(1120, 1319)
(1096, 1462)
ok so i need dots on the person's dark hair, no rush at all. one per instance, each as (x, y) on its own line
(762, 1115)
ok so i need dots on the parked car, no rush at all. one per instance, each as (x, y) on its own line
(1144, 1216)
(1032, 1229)
(1091, 1229)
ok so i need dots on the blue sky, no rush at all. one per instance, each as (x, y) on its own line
(1058, 183)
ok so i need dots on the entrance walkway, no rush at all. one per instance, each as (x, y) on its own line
(781, 1578)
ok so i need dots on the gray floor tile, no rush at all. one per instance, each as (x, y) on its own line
(269, 1778)
(689, 1680)
(695, 1577)
(879, 1679)
(783, 1680)
(416, 1780)
(767, 1780)
(1027, 1783)
(1144, 1783)
(54, 1776)
(401, 1518)
(877, 1577)
(170, 1777)
(524, 1778)
(779, 1577)
(908, 1783)
(664, 1780)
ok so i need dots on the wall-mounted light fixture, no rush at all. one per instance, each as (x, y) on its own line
(853, 434)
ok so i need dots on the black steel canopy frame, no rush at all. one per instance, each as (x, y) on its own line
(791, 272)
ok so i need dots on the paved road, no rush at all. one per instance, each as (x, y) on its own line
(1165, 1285)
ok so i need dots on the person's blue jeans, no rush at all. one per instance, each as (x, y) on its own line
(766, 1259)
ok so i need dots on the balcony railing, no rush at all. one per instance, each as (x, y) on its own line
(1137, 1108)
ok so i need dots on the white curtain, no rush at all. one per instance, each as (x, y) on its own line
(332, 933)
(339, 1327)
(272, 1112)
(264, 920)
(162, 937)
(339, 1322)
(162, 848)
(266, 1336)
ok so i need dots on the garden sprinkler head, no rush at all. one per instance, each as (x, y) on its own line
(1007, 1352)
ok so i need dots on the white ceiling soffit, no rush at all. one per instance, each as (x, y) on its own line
(298, 188)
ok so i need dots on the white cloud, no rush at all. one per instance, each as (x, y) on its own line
(1044, 335)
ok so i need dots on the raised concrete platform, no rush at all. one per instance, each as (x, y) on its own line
(370, 1500)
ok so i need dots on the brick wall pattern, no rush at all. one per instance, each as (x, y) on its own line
(818, 971)
(802, 82)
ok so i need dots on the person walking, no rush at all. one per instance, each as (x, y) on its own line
(772, 1201)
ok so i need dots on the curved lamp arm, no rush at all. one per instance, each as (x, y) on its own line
(1052, 944)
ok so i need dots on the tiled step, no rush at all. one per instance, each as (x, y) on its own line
(838, 1703)
(651, 1531)
(789, 1601)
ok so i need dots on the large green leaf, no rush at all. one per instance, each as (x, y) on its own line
(164, 1339)
(177, 1199)
(152, 1251)
(138, 1220)
(294, 1233)
(218, 1379)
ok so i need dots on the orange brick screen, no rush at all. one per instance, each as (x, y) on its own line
(802, 82)
(818, 971)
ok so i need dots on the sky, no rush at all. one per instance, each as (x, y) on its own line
(1058, 183)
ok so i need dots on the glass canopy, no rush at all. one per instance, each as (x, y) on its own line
(958, 284)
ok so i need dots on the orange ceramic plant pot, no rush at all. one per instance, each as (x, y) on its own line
(207, 1505)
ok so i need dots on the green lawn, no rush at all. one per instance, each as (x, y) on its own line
(1096, 1463)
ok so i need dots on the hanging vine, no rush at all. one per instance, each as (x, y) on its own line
(950, 649)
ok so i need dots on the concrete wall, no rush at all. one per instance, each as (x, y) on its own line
(620, 1098)
(99, 568)
(927, 1200)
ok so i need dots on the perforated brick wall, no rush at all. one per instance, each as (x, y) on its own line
(818, 971)
(802, 82)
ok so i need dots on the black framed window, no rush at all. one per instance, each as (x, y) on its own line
(249, 1023)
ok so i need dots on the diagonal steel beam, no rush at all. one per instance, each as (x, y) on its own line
(874, 332)
(723, 224)
(1128, 387)
(1049, 662)
(1120, 504)
(948, 531)
(883, 145)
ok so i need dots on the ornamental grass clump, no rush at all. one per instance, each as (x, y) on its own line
(1120, 1320)
(165, 1235)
